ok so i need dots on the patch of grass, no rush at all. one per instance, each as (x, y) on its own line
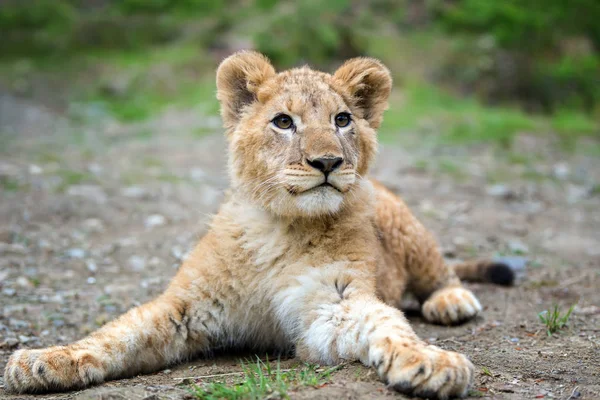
(138, 85)
(486, 371)
(452, 169)
(261, 379)
(73, 177)
(424, 109)
(10, 185)
(554, 319)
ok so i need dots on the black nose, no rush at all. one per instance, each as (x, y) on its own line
(326, 165)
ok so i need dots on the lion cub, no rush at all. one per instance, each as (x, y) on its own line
(306, 251)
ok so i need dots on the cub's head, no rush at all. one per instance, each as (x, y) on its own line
(300, 141)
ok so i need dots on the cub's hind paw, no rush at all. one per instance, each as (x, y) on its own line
(450, 306)
(56, 368)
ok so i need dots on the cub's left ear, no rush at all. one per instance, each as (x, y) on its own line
(369, 83)
(238, 79)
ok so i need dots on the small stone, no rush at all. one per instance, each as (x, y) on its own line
(23, 282)
(14, 249)
(25, 339)
(76, 253)
(576, 193)
(197, 174)
(9, 292)
(177, 252)
(134, 192)
(561, 170)
(155, 220)
(514, 340)
(8, 171)
(154, 262)
(35, 169)
(89, 192)
(18, 324)
(137, 263)
(517, 247)
(500, 190)
(91, 265)
(9, 343)
(91, 280)
(167, 371)
(95, 169)
(58, 323)
(93, 225)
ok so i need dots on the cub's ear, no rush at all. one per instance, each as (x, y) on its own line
(369, 84)
(238, 78)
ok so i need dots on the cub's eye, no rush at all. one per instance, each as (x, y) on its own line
(342, 120)
(283, 121)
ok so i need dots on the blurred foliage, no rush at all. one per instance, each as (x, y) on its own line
(543, 54)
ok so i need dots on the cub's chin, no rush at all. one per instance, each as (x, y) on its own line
(321, 200)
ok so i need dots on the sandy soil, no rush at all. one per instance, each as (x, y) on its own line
(95, 220)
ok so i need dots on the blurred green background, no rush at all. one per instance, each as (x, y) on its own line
(465, 70)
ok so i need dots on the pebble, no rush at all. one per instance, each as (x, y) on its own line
(500, 190)
(35, 169)
(89, 192)
(561, 170)
(518, 247)
(24, 282)
(177, 252)
(18, 324)
(76, 253)
(135, 192)
(137, 263)
(95, 169)
(154, 221)
(91, 280)
(9, 343)
(25, 339)
(8, 171)
(58, 323)
(91, 265)
(197, 174)
(576, 193)
(9, 292)
(93, 225)
(15, 249)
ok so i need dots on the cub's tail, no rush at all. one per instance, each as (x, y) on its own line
(503, 271)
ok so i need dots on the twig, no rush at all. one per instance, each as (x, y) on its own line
(572, 396)
(571, 281)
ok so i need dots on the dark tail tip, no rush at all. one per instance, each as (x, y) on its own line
(501, 274)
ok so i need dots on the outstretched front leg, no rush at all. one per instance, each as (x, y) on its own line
(145, 339)
(168, 329)
(338, 317)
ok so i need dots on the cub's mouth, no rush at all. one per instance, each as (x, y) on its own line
(322, 186)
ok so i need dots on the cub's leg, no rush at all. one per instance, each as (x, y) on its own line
(144, 339)
(175, 326)
(412, 251)
(335, 316)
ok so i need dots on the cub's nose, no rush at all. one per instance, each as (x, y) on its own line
(326, 165)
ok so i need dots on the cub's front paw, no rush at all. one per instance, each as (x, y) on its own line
(450, 306)
(425, 371)
(55, 368)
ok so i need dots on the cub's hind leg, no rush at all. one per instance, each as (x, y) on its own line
(413, 253)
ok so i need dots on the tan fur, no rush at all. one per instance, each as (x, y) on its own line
(288, 262)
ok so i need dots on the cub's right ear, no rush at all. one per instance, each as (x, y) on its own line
(238, 78)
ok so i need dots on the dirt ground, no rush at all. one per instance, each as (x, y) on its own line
(95, 220)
